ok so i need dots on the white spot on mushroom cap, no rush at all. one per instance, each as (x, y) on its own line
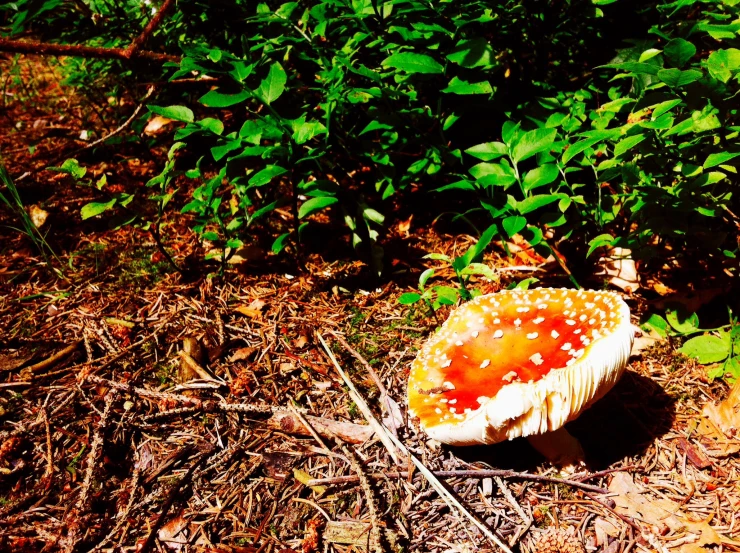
(537, 359)
(570, 322)
(498, 334)
(522, 309)
(475, 334)
(555, 334)
(566, 346)
(538, 320)
(532, 335)
(517, 322)
(485, 363)
(511, 375)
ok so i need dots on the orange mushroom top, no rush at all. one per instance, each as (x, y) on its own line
(514, 340)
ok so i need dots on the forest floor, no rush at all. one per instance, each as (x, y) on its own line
(146, 410)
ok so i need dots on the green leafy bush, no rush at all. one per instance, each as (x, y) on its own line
(332, 108)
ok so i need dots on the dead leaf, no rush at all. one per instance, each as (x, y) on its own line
(174, 533)
(619, 269)
(303, 477)
(604, 530)
(312, 537)
(38, 215)
(404, 227)
(242, 354)
(644, 340)
(714, 441)
(661, 514)
(253, 310)
(392, 414)
(696, 456)
(156, 125)
(726, 415)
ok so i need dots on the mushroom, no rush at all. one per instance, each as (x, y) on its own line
(520, 363)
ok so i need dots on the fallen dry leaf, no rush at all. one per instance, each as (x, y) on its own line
(661, 516)
(726, 415)
(242, 353)
(38, 215)
(156, 125)
(644, 340)
(253, 310)
(404, 227)
(619, 269)
(174, 533)
(713, 440)
(604, 530)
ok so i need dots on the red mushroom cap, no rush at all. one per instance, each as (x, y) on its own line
(519, 363)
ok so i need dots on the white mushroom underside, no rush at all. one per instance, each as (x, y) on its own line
(525, 409)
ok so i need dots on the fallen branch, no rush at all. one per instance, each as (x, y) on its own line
(51, 49)
(148, 31)
(327, 428)
(483, 473)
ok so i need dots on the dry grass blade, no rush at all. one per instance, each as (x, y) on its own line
(395, 445)
(362, 404)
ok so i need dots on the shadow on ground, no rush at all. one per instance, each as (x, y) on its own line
(621, 424)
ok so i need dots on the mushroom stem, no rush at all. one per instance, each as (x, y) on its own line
(559, 447)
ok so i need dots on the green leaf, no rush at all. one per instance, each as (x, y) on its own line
(679, 51)
(176, 113)
(424, 277)
(681, 321)
(303, 130)
(722, 64)
(718, 159)
(446, 295)
(532, 142)
(413, 63)
(72, 167)
(313, 205)
(273, 86)
(513, 224)
(675, 78)
(627, 144)
(480, 269)
(635, 67)
(540, 176)
(488, 150)
(218, 99)
(493, 174)
(221, 151)
(474, 52)
(438, 257)
(482, 244)
(535, 202)
(648, 54)
(280, 242)
(575, 149)
(598, 242)
(375, 126)
(408, 298)
(663, 107)
(211, 124)
(458, 86)
(706, 349)
(266, 175)
(96, 208)
(656, 323)
(709, 178)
